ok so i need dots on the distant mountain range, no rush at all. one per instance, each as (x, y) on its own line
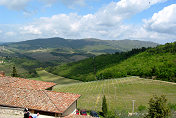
(86, 45)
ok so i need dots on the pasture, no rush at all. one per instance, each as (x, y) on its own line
(45, 76)
(119, 92)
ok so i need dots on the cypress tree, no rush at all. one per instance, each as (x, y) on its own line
(14, 72)
(104, 106)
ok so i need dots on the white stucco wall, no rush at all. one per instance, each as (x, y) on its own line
(12, 111)
(71, 109)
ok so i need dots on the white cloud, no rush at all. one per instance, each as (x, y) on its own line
(10, 33)
(164, 21)
(107, 23)
(14, 4)
(30, 29)
(118, 11)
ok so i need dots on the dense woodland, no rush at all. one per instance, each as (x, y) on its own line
(156, 63)
(85, 70)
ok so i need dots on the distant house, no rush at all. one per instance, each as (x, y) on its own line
(1, 62)
(36, 96)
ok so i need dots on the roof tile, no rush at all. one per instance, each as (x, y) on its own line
(36, 99)
(25, 83)
(25, 93)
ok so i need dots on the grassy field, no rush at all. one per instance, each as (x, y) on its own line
(119, 92)
(7, 68)
(45, 76)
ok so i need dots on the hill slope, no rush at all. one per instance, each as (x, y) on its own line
(32, 54)
(85, 70)
(158, 62)
(45, 76)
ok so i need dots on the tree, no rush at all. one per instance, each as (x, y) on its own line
(158, 107)
(104, 106)
(14, 72)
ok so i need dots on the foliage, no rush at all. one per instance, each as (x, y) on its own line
(111, 114)
(85, 70)
(155, 63)
(158, 108)
(14, 72)
(104, 106)
(141, 108)
(172, 106)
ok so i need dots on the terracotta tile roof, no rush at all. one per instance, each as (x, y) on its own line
(25, 83)
(6, 80)
(43, 100)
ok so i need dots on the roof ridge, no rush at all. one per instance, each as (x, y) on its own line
(48, 97)
(26, 79)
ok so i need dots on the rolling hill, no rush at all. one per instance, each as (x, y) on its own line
(85, 70)
(156, 63)
(85, 45)
(32, 54)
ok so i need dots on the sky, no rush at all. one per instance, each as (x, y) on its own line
(145, 20)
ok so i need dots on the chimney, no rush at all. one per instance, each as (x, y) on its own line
(2, 74)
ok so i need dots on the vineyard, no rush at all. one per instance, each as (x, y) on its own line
(119, 92)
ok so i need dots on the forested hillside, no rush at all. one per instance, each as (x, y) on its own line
(85, 70)
(156, 63)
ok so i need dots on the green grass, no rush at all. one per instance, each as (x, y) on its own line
(119, 92)
(45, 76)
(7, 68)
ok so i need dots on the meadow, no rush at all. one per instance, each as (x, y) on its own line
(119, 92)
(45, 76)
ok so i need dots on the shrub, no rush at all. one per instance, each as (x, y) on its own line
(141, 108)
(158, 107)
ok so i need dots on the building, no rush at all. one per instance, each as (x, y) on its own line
(19, 93)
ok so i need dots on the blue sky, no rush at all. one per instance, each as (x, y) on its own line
(146, 20)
